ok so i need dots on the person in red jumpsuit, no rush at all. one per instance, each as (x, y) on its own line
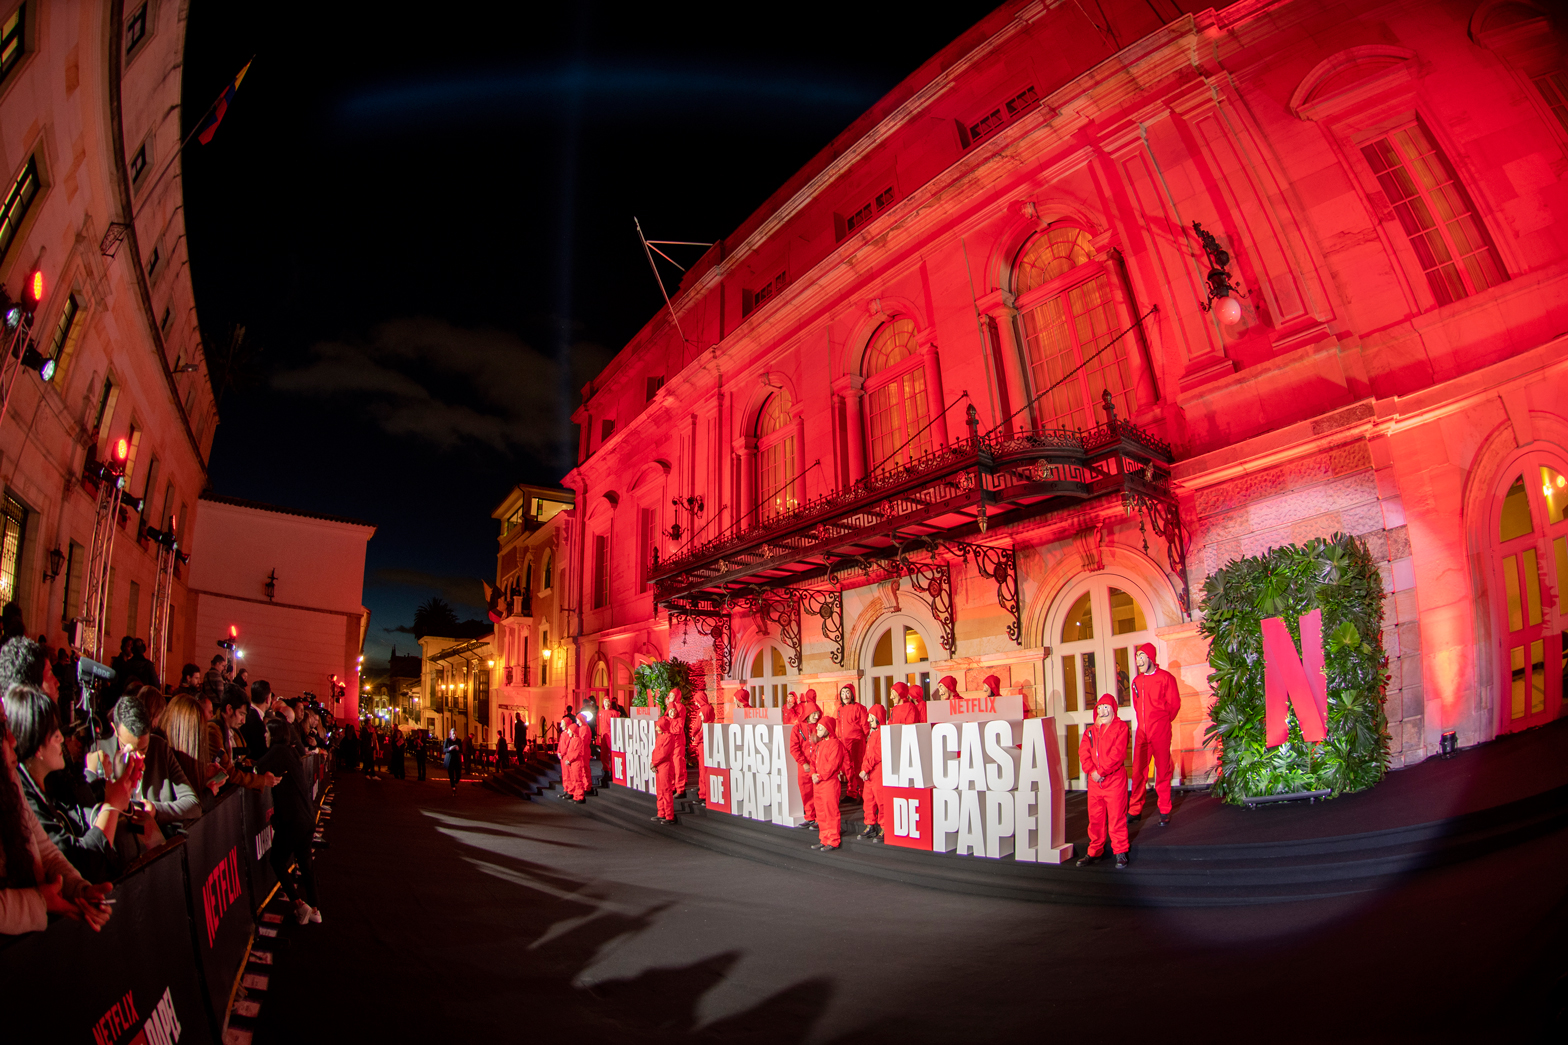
(852, 734)
(1103, 754)
(917, 697)
(701, 715)
(743, 698)
(802, 743)
(992, 686)
(946, 688)
(571, 749)
(872, 803)
(668, 748)
(613, 711)
(904, 711)
(1156, 702)
(675, 708)
(829, 763)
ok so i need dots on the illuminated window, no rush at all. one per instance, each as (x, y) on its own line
(1530, 532)
(778, 489)
(12, 40)
(769, 678)
(1066, 335)
(1451, 244)
(14, 525)
(896, 396)
(17, 203)
(898, 655)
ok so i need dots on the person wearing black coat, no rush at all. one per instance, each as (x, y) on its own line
(395, 754)
(292, 824)
(417, 742)
(453, 757)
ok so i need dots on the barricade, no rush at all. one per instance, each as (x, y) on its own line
(151, 976)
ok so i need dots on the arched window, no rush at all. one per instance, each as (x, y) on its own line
(769, 677)
(1097, 639)
(549, 570)
(778, 491)
(898, 655)
(599, 681)
(528, 578)
(1069, 315)
(1530, 535)
(896, 395)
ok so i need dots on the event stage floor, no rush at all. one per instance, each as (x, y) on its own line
(1441, 811)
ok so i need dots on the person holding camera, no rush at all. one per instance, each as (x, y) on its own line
(164, 796)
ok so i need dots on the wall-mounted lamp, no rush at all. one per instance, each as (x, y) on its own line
(545, 653)
(1222, 296)
(56, 561)
(272, 583)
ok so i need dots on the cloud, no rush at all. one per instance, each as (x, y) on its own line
(451, 386)
(457, 590)
(403, 629)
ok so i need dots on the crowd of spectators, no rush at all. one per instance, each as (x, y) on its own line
(95, 782)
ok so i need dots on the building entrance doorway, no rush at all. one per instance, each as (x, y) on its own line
(769, 680)
(898, 654)
(1098, 628)
(1530, 567)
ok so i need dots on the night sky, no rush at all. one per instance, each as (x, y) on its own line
(422, 218)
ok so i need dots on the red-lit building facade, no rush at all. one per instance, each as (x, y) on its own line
(953, 401)
(92, 200)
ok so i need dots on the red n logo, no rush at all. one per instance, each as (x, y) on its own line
(1298, 680)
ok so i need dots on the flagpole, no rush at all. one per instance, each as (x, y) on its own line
(147, 194)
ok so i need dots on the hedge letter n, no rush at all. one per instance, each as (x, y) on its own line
(1285, 676)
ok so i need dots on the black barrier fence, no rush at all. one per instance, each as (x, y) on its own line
(152, 976)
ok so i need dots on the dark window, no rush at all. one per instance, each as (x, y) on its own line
(751, 300)
(12, 39)
(601, 571)
(1432, 206)
(1554, 88)
(647, 546)
(860, 217)
(972, 132)
(64, 329)
(606, 429)
(75, 564)
(17, 202)
(152, 262)
(163, 324)
(654, 384)
(139, 164)
(885, 198)
(103, 403)
(135, 28)
(549, 571)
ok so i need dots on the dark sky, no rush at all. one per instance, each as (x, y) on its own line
(422, 218)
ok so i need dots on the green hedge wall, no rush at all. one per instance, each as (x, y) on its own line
(1339, 577)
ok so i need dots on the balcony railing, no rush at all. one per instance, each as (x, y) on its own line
(952, 492)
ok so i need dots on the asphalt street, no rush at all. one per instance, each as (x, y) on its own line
(482, 917)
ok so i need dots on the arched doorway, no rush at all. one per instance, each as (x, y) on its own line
(1096, 629)
(1529, 534)
(599, 681)
(898, 653)
(769, 678)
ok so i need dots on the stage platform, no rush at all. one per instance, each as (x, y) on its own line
(1441, 811)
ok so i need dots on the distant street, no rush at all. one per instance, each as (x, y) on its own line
(471, 917)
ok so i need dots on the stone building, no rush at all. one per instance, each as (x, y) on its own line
(534, 662)
(90, 133)
(1098, 299)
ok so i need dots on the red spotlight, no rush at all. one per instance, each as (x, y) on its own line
(35, 287)
(122, 449)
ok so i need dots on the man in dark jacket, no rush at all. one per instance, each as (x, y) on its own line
(254, 730)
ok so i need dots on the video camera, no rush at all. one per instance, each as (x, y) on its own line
(92, 677)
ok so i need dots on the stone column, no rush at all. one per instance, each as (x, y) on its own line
(850, 387)
(935, 398)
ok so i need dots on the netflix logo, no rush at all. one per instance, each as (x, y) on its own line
(220, 891)
(162, 1026)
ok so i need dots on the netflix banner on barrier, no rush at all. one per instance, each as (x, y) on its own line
(753, 753)
(219, 885)
(257, 844)
(976, 786)
(135, 983)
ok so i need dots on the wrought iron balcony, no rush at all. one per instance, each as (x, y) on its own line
(935, 507)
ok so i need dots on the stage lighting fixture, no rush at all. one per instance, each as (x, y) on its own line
(33, 359)
(1449, 743)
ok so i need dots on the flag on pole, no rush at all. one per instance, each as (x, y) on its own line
(209, 126)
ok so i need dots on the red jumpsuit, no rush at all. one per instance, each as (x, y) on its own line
(1103, 749)
(742, 698)
(852, 734)
(676, 713)
(872, 802)
(828, 762)
(572, 749)
(917, 697)
(667, 750)
(802, 741)
(1156, 702)
(701, 715)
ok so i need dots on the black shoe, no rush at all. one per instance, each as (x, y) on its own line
(1131, 816)
(827, 848)
(816, 845)
(580, 801)
(808, 825)
(1165, 820)
(1121, 861)
(1087, 859)
(865, 832)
